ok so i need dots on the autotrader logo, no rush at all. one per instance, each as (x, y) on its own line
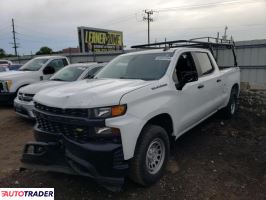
(27, 193)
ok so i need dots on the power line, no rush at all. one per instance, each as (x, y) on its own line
(206, 5)
(148, 19)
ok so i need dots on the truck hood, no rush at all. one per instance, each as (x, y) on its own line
(89, 93)
(11, 75)
(37, 87)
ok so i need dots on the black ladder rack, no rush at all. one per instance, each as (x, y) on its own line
(212, 44)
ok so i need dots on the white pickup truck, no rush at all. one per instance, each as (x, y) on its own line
(121, 123)
(23, 103)
(37, 69)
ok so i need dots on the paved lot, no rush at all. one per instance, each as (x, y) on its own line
(216, 160)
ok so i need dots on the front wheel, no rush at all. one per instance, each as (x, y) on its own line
(151, 155)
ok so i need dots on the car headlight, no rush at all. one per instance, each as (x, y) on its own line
(9, 84)
(108, 112)
(6, 85)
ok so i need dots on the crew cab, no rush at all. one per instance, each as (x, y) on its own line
(23, 103)
(37, 69)
(122, 122)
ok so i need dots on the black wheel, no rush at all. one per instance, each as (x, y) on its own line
(151, 155)
(230, 109)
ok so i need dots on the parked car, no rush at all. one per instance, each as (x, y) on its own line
(37, 69)
(5, 62)
(14, 67)
(23, 103)
(122, 122)
(4, 68)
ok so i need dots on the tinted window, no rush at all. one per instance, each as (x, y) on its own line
(57, 64)
(185, 64)
(71, 73)
(204, 62)
(91, 73)
(14, 67)
(65, 62)
(150, 66)
(3, 62)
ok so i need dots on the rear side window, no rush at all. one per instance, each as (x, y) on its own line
(204, 62)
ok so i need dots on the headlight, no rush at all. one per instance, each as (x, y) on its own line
(9, 84)
(107, 112)
(6, 85)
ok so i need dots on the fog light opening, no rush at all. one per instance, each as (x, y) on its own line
(107, 131)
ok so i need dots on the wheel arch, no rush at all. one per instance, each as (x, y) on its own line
(236, 86)
(163, 120)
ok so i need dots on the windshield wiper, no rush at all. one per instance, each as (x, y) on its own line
(124, 77)
(57, 79)
(25, 70)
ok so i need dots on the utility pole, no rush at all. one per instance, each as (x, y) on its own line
(14, 38)
(148, 19)
(225, 33)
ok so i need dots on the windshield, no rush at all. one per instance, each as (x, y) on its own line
(150, 66)
(71, 73)
(34, 64)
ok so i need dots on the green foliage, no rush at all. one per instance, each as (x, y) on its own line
(44, 50)
(2, 53)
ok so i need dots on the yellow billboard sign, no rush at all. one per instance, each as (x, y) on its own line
(99, 40)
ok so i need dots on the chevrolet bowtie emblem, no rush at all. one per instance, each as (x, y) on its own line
(78, 131)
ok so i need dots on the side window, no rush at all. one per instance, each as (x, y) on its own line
(92, 72)
(65, 62)
(204, 62)
(185, 65)
(57, 64)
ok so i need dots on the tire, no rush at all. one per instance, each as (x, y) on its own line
(153, 143)
(230, 109)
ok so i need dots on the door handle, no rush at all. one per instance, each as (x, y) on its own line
(200, 86)
(218, 80)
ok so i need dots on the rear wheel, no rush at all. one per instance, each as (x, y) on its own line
(151, 155)
(230, 109)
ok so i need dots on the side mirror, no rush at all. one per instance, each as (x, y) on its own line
(48, 70)
(187, 77)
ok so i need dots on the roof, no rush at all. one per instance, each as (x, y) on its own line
(49, 57)
(92, 64)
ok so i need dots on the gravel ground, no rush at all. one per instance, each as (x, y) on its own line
(219, 159)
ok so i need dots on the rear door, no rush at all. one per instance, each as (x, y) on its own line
(210, 81)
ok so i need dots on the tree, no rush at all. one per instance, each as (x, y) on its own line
(44, 50)
(2, 53)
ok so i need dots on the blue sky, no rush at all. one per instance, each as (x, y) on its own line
(54, 23)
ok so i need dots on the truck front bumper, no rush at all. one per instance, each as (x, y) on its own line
(7, 97)
(102, 161)
(24, 109)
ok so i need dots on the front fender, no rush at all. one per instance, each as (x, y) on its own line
(143, 105)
